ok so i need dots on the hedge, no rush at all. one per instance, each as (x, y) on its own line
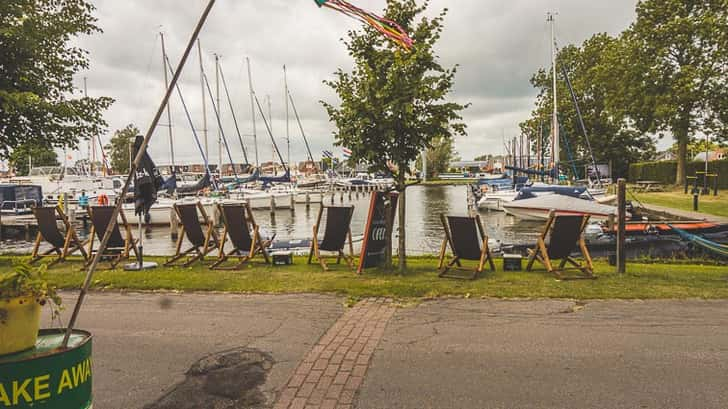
(665, 171)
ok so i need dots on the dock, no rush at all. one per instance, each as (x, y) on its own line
(671, 213)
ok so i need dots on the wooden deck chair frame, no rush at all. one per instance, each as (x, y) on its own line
(449, 269)
(315, 250)
(258, 246)
(114, 257)
(194, 253)
(541, 253)
(71, 242)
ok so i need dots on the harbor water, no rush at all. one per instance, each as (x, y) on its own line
(424, 234)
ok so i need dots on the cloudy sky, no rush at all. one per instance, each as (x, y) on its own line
(498, 46)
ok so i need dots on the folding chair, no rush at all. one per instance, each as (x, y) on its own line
(202, 242)
(338, 230)
(63, 244)
(561, 237)
(118, 246)
(468, 241)
(240, 227)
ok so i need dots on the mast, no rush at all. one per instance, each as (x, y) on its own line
(252, 110)
(288, 131)
(204, 105)
(270, 122)
(555, 142)
(169, 110)
(219, 114)
(92, 143)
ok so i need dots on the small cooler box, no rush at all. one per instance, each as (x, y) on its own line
(282, 258)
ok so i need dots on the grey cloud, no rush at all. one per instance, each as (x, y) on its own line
(497, 45)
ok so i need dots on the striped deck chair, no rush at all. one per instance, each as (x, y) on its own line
(468, 241)
(242, 231)
(336, 234)
(63, 244)
(561, 237)
(203, 242)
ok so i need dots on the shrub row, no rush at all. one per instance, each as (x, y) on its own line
(665, 171)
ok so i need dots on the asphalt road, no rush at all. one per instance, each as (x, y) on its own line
(440, 354)
(552, 354)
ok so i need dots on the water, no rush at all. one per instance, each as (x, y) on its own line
(424, 229)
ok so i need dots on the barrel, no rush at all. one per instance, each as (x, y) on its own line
(47, 377)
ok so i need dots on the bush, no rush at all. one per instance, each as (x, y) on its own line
(665, 171)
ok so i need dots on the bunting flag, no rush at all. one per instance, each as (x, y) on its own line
(346, 153)
(328, 154)
(386, 27)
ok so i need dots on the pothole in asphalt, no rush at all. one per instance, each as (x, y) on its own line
(229, 380)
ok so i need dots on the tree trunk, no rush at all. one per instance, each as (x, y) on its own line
(388, 235)
(401, 204)
(682, 153)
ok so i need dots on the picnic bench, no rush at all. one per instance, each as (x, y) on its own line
(649, 186)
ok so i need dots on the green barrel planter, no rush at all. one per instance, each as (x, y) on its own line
(47, 377)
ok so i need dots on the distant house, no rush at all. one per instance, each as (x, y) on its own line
(665, 156)
(718, 154)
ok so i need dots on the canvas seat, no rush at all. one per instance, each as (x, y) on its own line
(63, 244)
(119, 246)
(241, 230)
(562, 236)
(336, 234)
(202, 242)
(468, 241)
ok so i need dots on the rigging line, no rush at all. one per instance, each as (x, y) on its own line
(194, 132)
(300, 125)
(235, 119)
(267, 127)
(568, 151)
(219, 123)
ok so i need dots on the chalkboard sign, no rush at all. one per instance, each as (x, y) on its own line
(375, 233)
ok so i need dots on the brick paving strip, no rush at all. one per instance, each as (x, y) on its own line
(331, 373)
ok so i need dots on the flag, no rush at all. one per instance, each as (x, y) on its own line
(147, 181)
(328, 154)
(346, 152)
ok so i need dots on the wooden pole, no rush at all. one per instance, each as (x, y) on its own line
(132, 172)
(621, 225)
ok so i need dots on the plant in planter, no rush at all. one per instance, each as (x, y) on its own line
(23, 292)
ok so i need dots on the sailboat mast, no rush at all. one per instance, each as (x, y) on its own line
(252, 110)
(204, 104)
(270, 122)
(169, 110)
(555, 141)
(288, 130)
(92, 142)
(219, 113)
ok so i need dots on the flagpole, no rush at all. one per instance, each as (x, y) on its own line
(132, 172)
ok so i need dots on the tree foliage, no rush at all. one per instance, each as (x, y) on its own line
(119, 147)
(394, 102)
(613, 139)
(38, 102)
(40, 155)
(439, 156)
(671, 67)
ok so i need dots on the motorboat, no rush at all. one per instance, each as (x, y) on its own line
(59, 180)
(20, 199)
(539, 207)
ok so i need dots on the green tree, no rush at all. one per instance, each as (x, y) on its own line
(119, 147)
(613, 139)
(38, 103)
(394, 102)
(671, 70)
(439, 156)
(40, 155)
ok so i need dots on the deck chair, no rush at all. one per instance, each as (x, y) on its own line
(561, 237)
(338, 230)
(119, 245)
(63, 244)
(240, 227)
(203, 242)
(468, 241)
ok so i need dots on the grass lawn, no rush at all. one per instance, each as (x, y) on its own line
(644, 281)
(715, 205)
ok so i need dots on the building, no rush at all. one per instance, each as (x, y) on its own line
(718, 154)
